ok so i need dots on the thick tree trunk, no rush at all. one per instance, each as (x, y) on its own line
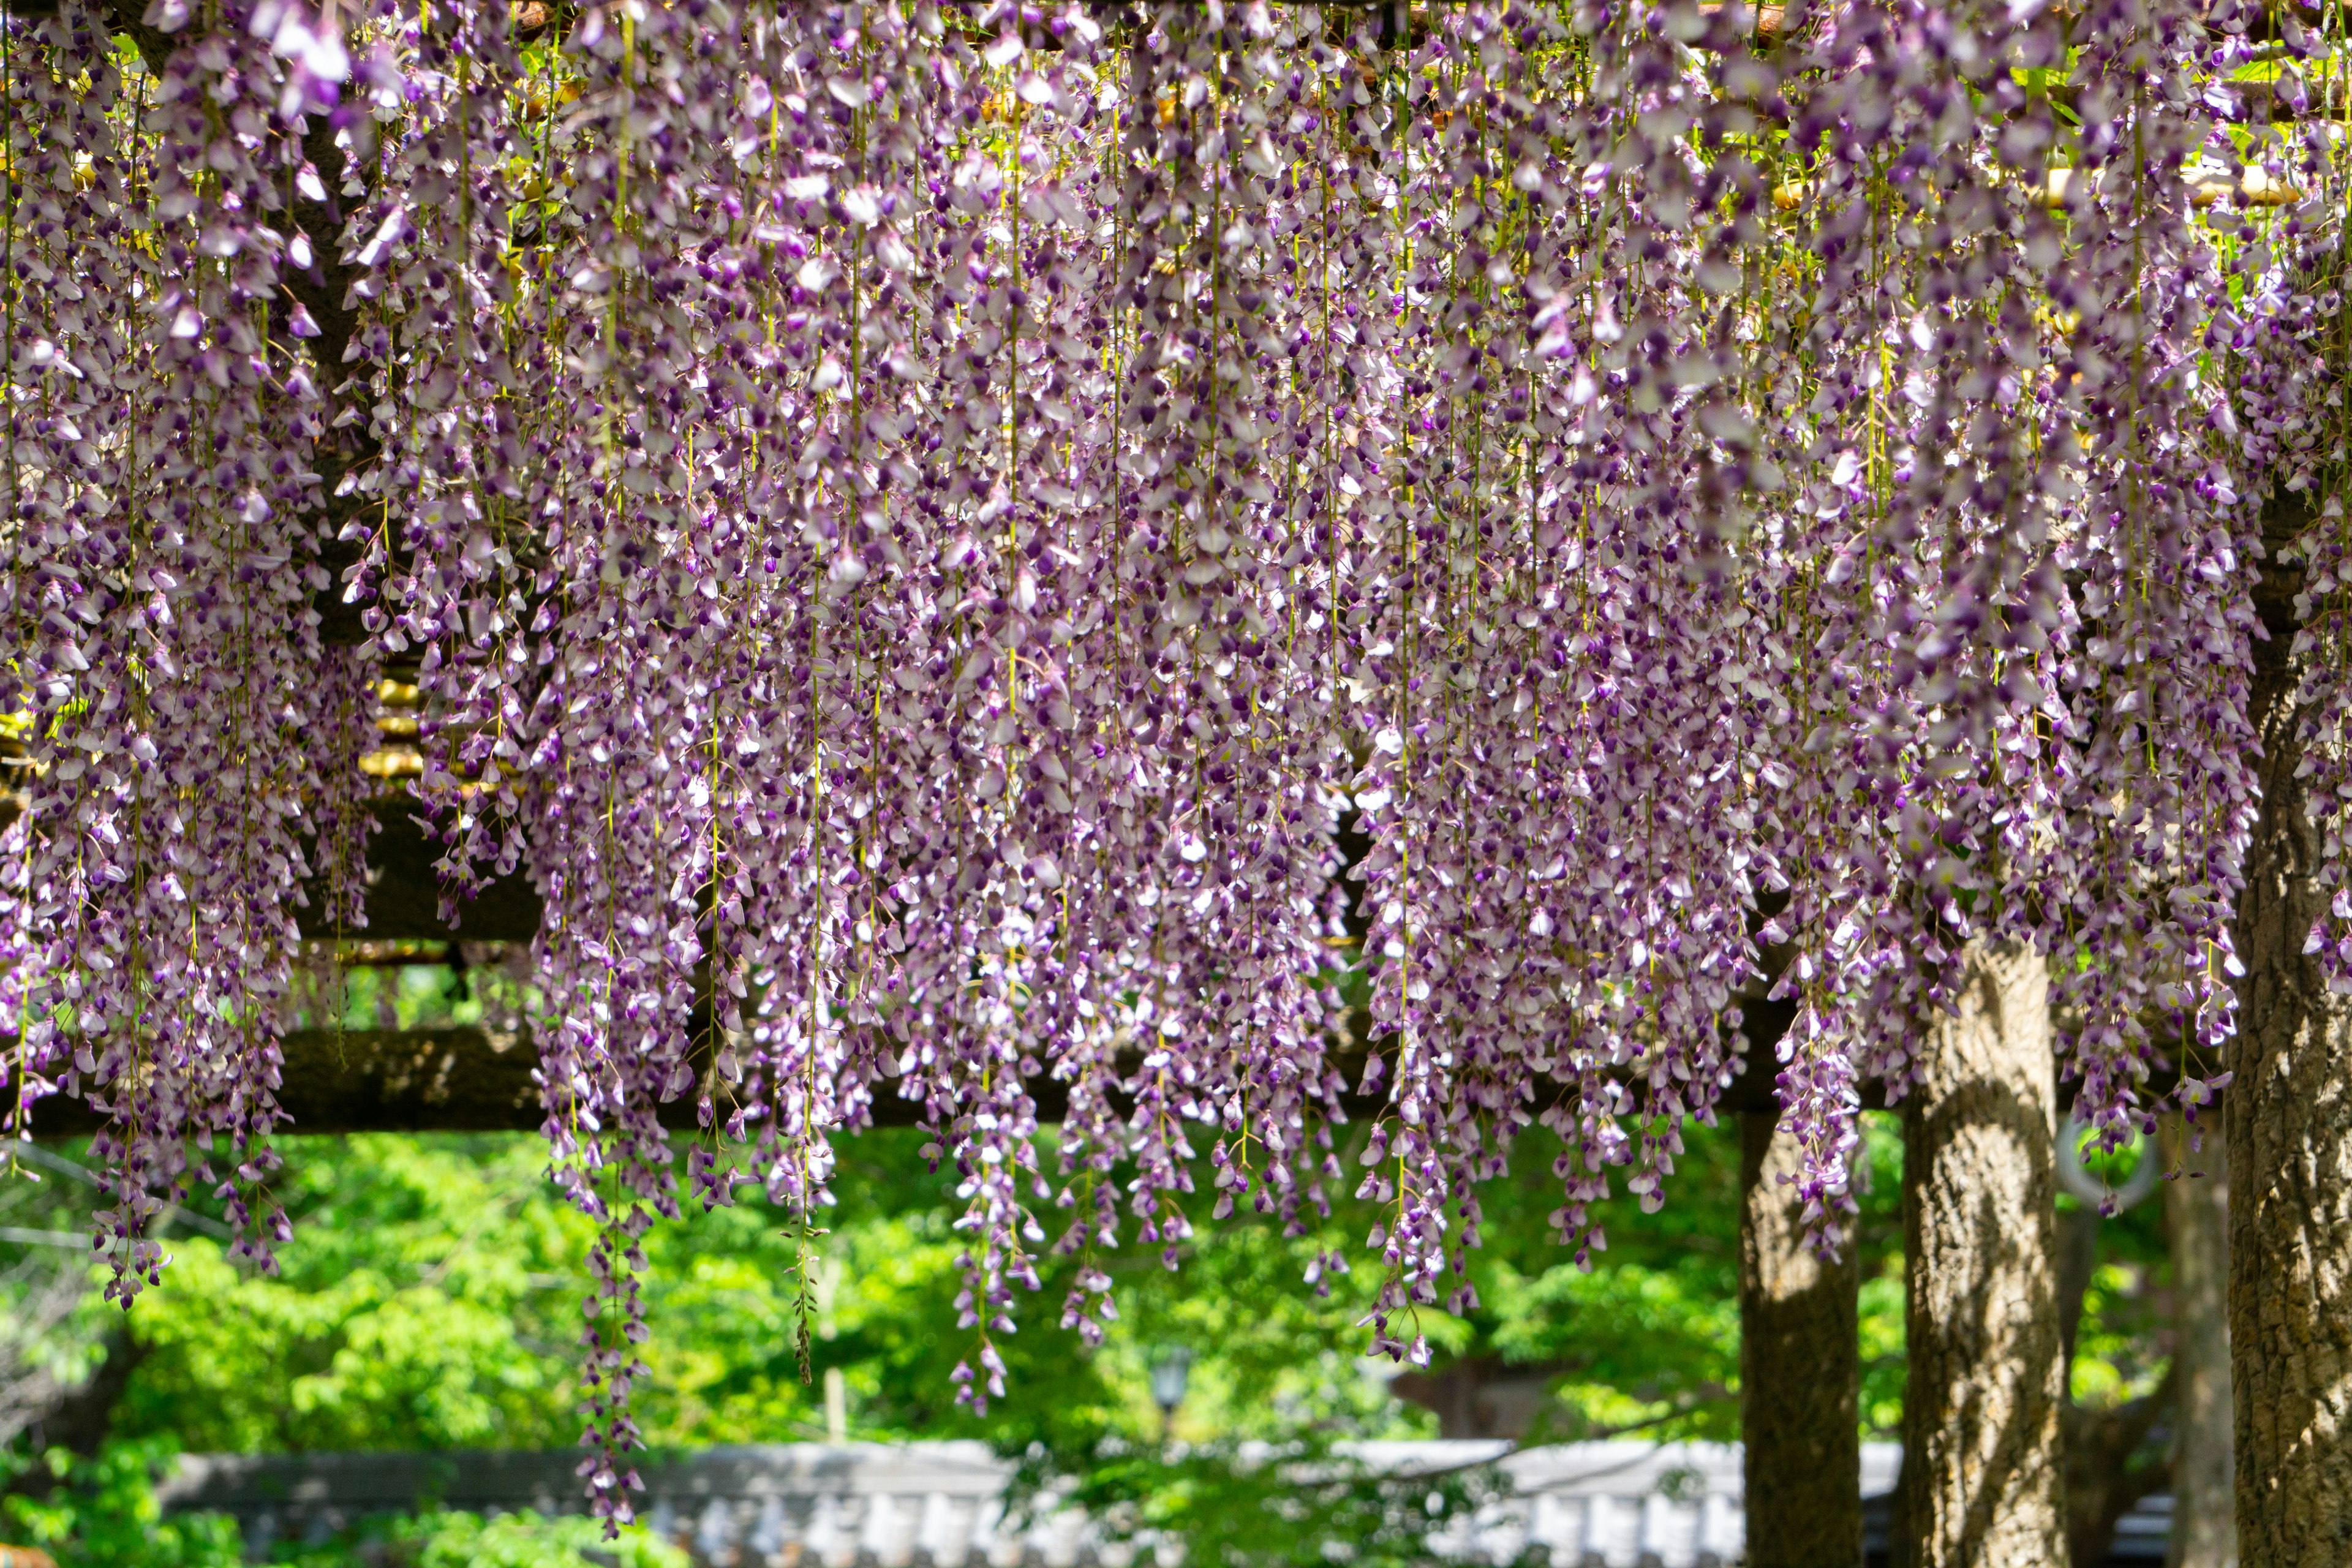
(2196, 1212)
(2288, 1113)
(1799, 1370)
(1982, 1484)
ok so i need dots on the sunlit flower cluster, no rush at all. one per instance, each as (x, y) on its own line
(1225, 554)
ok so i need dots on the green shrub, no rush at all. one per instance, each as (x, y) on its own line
(454, 1540)
(103, 1513)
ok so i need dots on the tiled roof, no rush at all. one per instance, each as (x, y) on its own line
(936, 1505)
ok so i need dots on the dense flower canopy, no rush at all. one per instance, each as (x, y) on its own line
(1212, 551)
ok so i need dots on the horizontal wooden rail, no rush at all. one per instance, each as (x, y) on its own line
(480, 1080)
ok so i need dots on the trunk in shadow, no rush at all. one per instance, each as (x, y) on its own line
(1799, 1369)
(2288, 1112)
(2197, 1214)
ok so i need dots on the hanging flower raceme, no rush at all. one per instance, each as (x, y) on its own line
(162, 432)
(962, 548)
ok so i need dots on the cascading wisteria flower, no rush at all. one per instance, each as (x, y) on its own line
(1230, 556)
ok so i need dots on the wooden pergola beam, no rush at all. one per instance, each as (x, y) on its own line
(466, 1080)
(470, 1079)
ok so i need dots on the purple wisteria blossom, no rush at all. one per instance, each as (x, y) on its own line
(1226, 554)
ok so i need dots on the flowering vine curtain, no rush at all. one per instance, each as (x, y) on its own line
(1191, 548)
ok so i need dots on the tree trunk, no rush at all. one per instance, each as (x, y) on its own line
(1982, 1485)
(2078, 1259)
(2107, 1475)
(2288, 1113)
(82, 1419)
(1799, 1370)
(2196, 1212)
(1485, 1396)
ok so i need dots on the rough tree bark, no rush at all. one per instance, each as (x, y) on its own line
(2197, 1214)
(2288, 1114)
(1982, 1485)
(1799, 1369)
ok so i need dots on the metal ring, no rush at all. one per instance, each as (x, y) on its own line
(2083, 1187)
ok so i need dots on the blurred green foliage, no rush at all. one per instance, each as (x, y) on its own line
(2124, 1342)
(459, 1540)
(1265, 1505)
(429, 1299)
(102, 1512)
